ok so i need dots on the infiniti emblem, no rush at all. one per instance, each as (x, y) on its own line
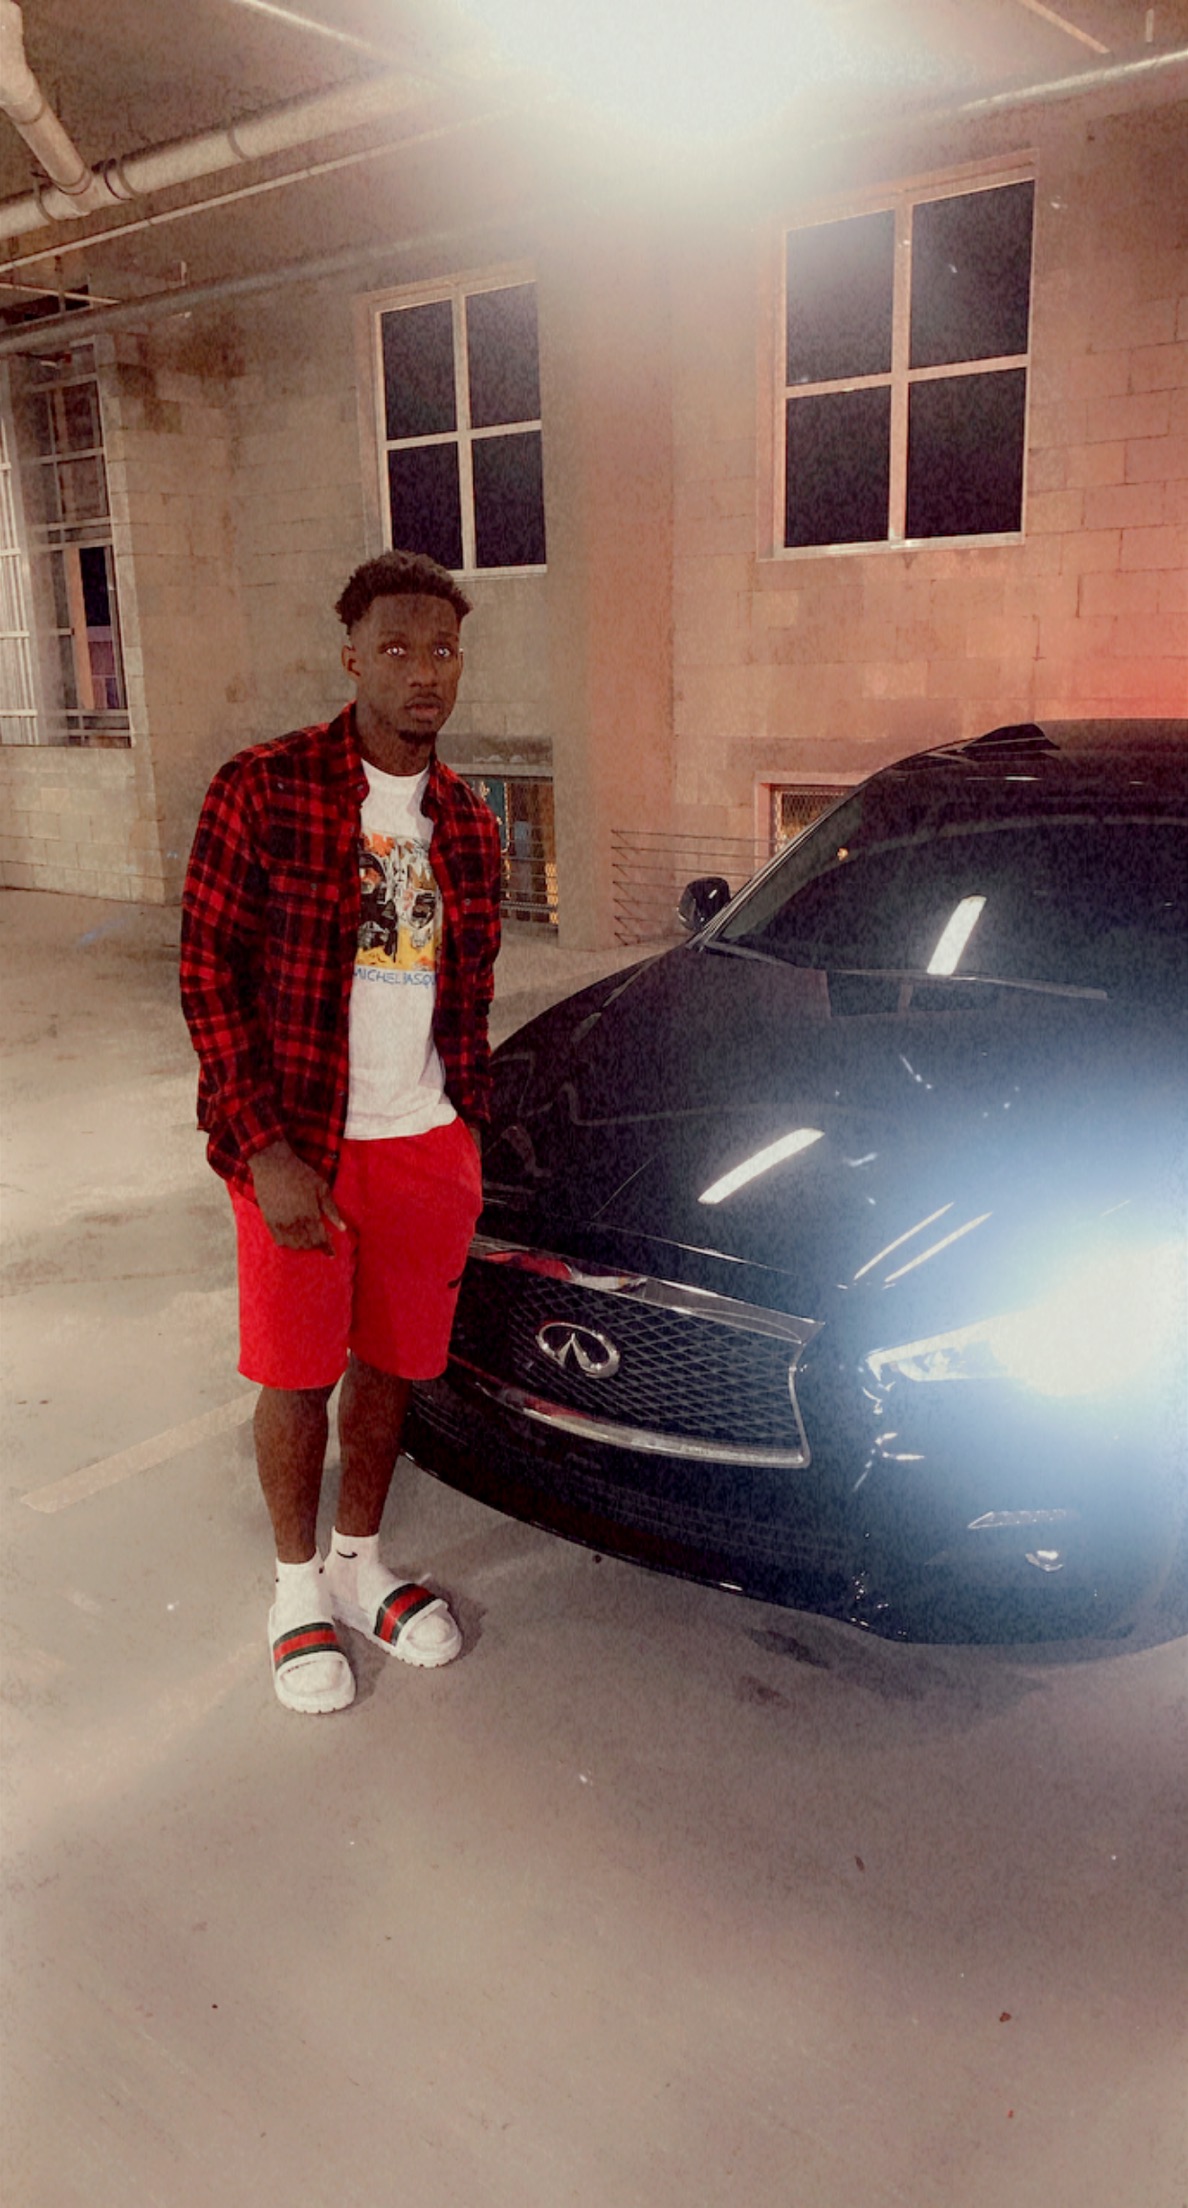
(580, 1346)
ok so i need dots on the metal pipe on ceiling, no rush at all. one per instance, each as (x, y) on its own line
(61, 248)
(26, 106)
(276, 130)
(78, 329)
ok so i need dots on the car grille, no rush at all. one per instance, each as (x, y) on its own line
(696, 1375)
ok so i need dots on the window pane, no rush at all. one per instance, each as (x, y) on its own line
(793, 810)
(67, 675)
(96, 585)
(840, 279)
(501, 346)
(103, 634)
(57, 567)
(83, 489)
(839, 455)
(426, 513)
(76, 418)
(971, 276)
(508, 501)
(418, 347)
(965, 455)
(43, 505)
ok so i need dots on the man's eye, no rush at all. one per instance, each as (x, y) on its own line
(445, 651)
(394, 651)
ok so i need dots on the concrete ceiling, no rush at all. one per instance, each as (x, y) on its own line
(135, 73)
(124, 74)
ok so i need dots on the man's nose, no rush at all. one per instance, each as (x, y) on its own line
(421, 662)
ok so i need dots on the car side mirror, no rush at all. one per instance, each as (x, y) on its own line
(701, 899)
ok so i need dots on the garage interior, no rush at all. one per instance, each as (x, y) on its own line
(659, 1895)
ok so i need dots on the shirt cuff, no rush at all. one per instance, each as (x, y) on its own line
(255, 1126)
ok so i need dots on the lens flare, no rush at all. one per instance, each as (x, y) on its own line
(1105, 1326)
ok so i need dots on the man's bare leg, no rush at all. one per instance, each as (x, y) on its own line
(408, 1621)
(371, 1412)
(290, 1427)
(310, 1671)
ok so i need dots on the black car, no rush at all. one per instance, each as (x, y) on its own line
(838, 1255)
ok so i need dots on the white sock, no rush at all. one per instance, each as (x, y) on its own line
(301, 1597)
(359, 1554)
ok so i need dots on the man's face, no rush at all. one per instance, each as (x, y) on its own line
(405, 660)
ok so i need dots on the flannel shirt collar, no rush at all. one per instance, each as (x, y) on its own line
(343, 739)
(345, 756)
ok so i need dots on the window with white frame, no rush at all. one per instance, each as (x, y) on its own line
(906, 334)
(459, 385)
(65, 682)
(18, 702)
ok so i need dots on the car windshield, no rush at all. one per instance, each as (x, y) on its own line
(895, 880)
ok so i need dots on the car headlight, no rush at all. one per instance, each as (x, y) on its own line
(1102, 1327)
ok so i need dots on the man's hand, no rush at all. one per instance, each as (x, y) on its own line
(295, 1201)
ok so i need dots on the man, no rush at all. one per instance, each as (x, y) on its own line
(340, 927)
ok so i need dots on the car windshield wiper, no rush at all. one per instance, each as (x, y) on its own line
(910, 976)
(744, 950)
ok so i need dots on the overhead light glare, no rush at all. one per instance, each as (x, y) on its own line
(762, 1162)
(957, 931)
(900, 1239)
(937, 1247)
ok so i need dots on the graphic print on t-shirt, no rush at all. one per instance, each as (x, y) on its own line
(400, 910)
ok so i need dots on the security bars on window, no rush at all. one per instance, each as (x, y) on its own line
(70, 605)
(18, 703)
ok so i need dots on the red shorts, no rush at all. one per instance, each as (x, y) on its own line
(389, 1291)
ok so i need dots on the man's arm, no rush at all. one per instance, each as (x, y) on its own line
(222, 944)
(222, 948)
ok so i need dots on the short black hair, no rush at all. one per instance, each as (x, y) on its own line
(398, 575)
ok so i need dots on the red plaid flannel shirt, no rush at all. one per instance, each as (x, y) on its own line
(270, 925)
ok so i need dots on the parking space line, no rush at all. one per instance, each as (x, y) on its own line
(158, 1449)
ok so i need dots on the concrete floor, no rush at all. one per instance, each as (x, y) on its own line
(656, 1897)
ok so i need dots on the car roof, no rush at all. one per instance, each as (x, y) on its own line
(1082, 750)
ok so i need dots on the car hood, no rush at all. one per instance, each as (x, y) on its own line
(946, 1157)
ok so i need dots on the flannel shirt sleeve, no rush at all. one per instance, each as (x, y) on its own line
(466, 982)
(223, 918)
(484, 979)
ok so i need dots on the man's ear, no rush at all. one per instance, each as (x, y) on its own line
(350, 659)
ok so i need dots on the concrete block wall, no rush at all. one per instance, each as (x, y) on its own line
(83, 822)
(298, 502)
(170, 464)
(504, 709)
(833, 664)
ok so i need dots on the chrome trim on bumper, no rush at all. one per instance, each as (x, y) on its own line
(669, 1295)
(643, 1438)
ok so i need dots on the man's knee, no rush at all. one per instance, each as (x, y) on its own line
(295, 1403)
(371, 1381)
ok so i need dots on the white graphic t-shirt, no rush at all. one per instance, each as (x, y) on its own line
(396, 1082)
